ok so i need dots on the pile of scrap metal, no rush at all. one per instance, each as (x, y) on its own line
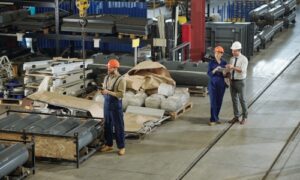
(108, 24)
(61, 75)
(82, 133)
(8, 17)
(37, 22)
(179, 71)
(271, 18)
(15, 161)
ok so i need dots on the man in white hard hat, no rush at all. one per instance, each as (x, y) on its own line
(238, 66)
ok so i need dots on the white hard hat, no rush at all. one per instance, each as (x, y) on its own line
(236, 45)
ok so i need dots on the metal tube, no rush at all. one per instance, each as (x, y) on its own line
(9, 120)
(44, 124)
(12, 157)
(64, 126)
(23, 123)
(87, 132)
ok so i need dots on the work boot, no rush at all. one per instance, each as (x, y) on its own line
(211, 123)
(234, 120)
(243, 121)
(106, 148)
(121, 152)
(218, 122)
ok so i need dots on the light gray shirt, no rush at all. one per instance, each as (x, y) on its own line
(242, 62)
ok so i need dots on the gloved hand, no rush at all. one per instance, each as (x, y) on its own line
(216, 69)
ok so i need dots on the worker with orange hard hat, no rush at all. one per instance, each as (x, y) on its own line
(216, 87)
(114, 87)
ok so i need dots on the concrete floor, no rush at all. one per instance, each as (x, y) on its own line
(245, 152)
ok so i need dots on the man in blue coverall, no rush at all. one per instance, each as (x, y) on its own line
(217, 85)
(114, 88)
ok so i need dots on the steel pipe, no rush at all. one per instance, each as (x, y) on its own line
(22, 123)
(87, 132)
(12, 157)
(43, 125)
(64, 126)
(10, 119)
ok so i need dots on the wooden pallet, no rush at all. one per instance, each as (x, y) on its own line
(132, 36)
(180, 112)
(17, 102)
(199, 91)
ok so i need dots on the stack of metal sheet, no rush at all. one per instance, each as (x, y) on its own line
(104, 24)
(64, 76)
(132, 25)
(8, 17)
(38, 22)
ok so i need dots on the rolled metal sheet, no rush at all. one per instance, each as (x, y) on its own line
(43, 125)
(12, 157)
(23, 123)
(10, 119)
(289, 19)
(87, 132)
(64, 126)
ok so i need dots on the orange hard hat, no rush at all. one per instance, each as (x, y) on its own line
(219, 49)
(113, 63)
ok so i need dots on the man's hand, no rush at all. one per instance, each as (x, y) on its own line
(104, 91)
(229, 66)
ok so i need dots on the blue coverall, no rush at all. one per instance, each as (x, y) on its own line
(216, 88)
(113, 120)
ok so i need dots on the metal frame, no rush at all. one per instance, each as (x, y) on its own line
(184, 48)
(79, 159)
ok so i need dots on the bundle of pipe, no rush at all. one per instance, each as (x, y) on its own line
(278, 26)
(289, 5)
(43, 125)
(290, 19)
(23, 123)
(257, 42)
(274, 3)
(12, 157)
(266, 35)
(257, 13)
(274, 13)
(87, 132)
(64, 126)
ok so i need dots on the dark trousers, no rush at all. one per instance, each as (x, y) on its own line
(113, 120)
(238, 92)
(216, 90)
